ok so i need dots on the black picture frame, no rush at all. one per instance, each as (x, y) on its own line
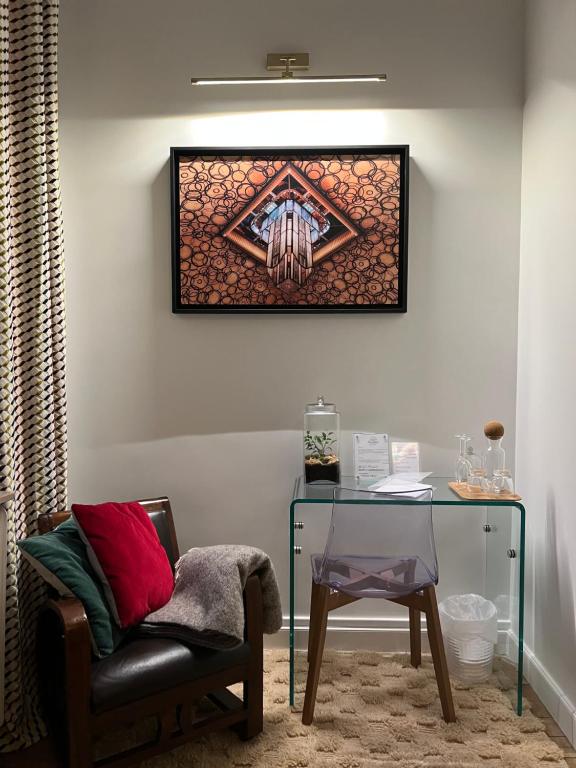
(289, 155)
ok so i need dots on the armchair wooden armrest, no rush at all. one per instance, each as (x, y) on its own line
(72, 616)
(69, 615)
(65, 656)
(253, 631)
(253, 611)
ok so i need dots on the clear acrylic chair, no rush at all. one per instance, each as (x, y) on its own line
(379, 545)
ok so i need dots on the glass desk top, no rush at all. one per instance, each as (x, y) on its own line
(480, 545)
(443, 494)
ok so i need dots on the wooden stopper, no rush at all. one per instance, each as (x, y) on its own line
(494, 430)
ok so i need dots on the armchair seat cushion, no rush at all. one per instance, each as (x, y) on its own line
(143, 667)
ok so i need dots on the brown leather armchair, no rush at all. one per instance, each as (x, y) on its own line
(84, 697)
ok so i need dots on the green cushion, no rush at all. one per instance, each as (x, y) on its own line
(60, 558)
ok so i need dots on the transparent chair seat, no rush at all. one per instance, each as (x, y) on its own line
(379, 545)
(383, 577)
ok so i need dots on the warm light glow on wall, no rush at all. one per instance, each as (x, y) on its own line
(315, 127)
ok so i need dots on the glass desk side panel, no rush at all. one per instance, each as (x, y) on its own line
(504, 561)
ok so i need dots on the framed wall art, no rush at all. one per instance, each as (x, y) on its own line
(289, 230)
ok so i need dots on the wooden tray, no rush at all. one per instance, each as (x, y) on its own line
(462, 490)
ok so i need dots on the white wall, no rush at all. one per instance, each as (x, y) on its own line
(547, 361)
(208, 409)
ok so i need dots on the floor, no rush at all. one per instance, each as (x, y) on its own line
(552, 728)
(42, 755)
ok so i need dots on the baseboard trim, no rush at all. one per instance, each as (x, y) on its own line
(367, 633)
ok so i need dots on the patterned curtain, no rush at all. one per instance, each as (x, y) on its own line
(32, 331)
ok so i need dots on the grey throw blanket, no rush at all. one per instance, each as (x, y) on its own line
(207, 606)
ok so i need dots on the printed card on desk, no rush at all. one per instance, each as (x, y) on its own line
(405, 457)
(371, 455)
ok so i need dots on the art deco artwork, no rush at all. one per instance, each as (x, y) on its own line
(289, 230)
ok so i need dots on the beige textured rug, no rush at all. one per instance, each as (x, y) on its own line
(375, 711)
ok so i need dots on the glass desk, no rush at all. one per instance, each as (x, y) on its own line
(480, 546)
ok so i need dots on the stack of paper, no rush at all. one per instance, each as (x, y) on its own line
(409, 477)
(402, 485)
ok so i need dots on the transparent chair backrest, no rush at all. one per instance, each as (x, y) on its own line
(379, 544)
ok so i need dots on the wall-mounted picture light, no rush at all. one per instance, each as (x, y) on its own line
(289, 64)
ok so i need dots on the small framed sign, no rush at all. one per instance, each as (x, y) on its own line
(371, 456)
(406, 457)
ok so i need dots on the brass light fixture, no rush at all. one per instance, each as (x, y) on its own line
(288, 64)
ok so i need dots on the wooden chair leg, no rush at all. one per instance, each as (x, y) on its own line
(253, 695)
(438, 654)
(311, 626)
(415, 637)
(318, 623)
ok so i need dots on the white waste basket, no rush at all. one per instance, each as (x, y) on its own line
(470, 629)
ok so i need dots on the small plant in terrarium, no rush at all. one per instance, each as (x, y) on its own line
(320, 459)
(321, 442)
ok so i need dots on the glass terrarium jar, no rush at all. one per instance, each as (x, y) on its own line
(321, 442)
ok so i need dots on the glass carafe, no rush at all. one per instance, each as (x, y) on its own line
(495, 458)
(321, 442)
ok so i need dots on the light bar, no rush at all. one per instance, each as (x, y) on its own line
(288, 64)
(300, 79)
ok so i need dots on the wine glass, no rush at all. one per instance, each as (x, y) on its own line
(463, 466)
(503, 483)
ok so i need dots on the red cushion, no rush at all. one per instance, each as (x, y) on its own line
(124, 549)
